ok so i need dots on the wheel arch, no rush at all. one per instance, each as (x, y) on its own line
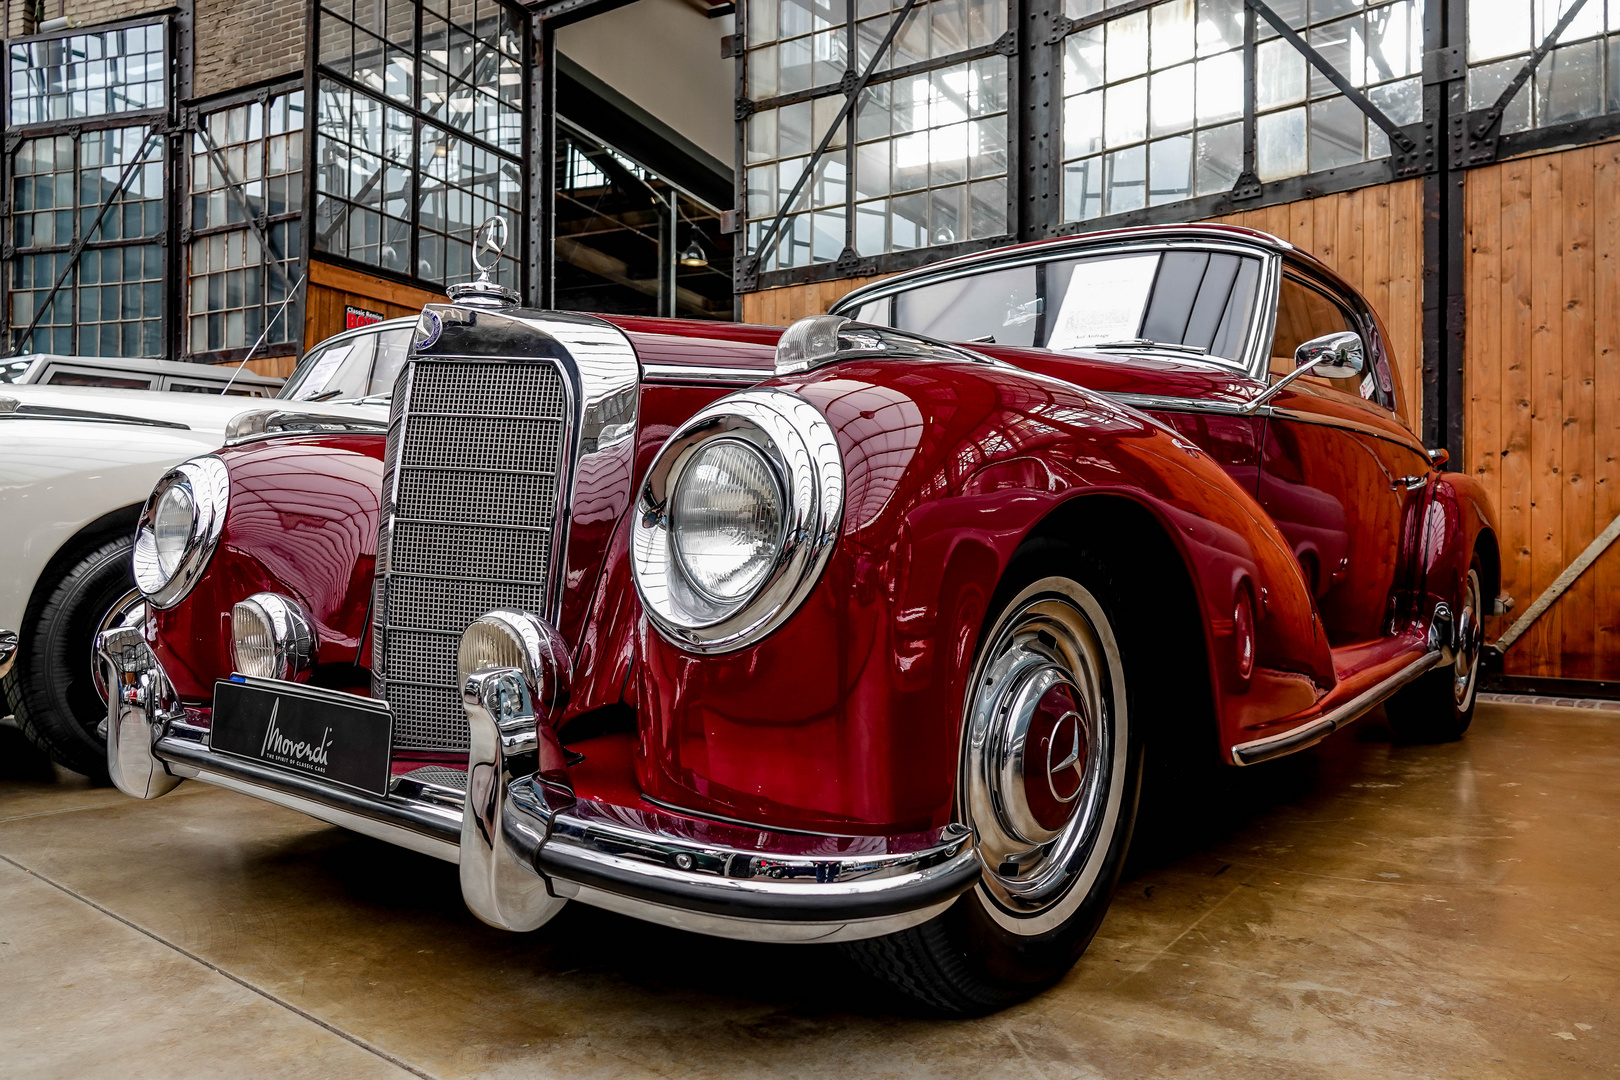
(88, 537)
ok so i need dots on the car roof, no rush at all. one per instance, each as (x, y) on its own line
(145, 365)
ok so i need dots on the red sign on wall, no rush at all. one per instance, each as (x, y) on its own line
(354, 318)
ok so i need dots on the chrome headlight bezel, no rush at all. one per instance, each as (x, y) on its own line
(799, 447)
(289, 632)
(207, 482)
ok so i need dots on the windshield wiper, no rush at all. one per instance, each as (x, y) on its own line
(327, 396)
(1144, 343)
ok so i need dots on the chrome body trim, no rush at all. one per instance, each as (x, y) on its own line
(292, 635)
(9, 644)
(12, 409)
(818, 340)
(525, 844)
(799, 446)
(695, 373)
(1166, 403)
(1314, 731)
(600, 376)
(140, 703)
(209, 484)
(282, 423)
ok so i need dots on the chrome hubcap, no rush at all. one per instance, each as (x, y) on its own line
(1042, 753)
(1470, 637)
(127, 610)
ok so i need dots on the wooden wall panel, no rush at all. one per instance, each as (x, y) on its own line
(1373, 238)
(1542, 423)
(332, 288)
(779, 307)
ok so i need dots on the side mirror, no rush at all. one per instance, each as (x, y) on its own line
(1332, 356)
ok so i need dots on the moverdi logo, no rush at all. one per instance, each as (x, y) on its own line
(302, 755)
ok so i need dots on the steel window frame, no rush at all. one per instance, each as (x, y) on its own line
(194, 122)
(315, 72)
(158, 122)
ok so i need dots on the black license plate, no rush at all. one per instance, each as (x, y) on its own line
(339, 738)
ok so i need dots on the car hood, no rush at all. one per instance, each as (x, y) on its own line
(209, 413)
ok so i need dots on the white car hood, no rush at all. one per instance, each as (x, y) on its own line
(203, 413)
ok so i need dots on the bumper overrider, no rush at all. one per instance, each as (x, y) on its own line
(525, 842)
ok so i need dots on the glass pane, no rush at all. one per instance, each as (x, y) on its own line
(1220, 26)
(1401, 101)
(1127, 39)
(987, 21)
(1098, 299)
(870, 218)
(793, 129)
(987, 147)
(950, 27)
(1171, 95)
(1589, 21)
(762, 135)
(1220, 88)
(1279, 74)
(1336, 134)
(827, 241)
(761, 20)
(1083, 60)
(1125, 112)
(908, 221)
(831, 57)
(762, 73)
(988, 208)
(1127, 179)
(1082, 124)
(999, 307)
(1082, 189)
(1486, 84)
(1170, 170)
(1280, 144)
(1219, 159)
(1394, 42)
(946, 219)
(1172, 35)
(872, 115)
(872, 170)
(988, 86)
(1569, 83)
(1342, 45)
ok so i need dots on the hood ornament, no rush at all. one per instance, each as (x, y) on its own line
(488, 247)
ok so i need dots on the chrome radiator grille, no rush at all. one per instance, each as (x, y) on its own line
(469, 511)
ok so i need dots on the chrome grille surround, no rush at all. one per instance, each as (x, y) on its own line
(501, 431)
(470, 519)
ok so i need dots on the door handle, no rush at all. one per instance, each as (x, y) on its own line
(1410, 483)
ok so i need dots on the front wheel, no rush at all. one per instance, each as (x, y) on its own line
(1439, 705)
(55, 688)
(1050, 771)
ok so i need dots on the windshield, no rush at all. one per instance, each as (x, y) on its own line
(1196, 303)
(352, 368)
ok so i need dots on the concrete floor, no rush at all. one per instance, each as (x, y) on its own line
(1359, 910)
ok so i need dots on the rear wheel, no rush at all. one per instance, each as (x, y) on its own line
(1050, 773)
(1439, 706)
(54, 689)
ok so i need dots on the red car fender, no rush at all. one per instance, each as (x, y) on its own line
(301, 521)
(1458, 522)
(846, 717)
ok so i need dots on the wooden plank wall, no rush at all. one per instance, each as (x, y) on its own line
(1373, 238)
(779, 307)
(1542, 423)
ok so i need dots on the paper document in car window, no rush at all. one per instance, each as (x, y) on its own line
(321, 374)
(1104, 301)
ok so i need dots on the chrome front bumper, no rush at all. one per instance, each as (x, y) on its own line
(526, 844)
(8, 651)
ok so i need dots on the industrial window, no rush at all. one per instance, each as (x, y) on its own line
(89, 74)
(420, 133)
(1153, 100)
(923, 159)
(246, 175)
(1577, 79)
(109, 301)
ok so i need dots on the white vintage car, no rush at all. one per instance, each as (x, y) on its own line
(76, 463)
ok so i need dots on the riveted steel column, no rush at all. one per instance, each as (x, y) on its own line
(1038, 70)
(1445, 98)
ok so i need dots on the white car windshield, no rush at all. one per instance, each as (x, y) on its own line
(351, 368)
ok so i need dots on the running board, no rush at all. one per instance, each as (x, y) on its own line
(1309, 734)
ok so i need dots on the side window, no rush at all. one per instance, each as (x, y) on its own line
(1000, 307)
(1305, 312)
(392, 345)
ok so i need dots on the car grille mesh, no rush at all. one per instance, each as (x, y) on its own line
(469, 507)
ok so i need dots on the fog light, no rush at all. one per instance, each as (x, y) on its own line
(271, 637)
(517, 639)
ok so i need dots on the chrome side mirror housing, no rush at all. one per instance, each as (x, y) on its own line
(1338, 355)
(1333, 356)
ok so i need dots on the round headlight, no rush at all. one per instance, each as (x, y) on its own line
(272, 637)
(726, 518)
(179, 528)
(736, 519)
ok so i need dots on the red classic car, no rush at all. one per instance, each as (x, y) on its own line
(842, 633)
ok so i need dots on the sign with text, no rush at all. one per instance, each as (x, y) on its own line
(325, 735)
(354, 318)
